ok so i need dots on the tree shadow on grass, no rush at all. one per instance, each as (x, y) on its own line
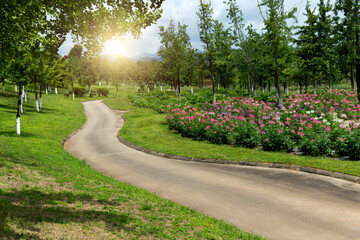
(27, 208)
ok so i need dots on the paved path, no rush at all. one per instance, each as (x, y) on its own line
(275, 203)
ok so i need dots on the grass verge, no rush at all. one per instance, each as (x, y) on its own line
(45, 193)
(148, 129)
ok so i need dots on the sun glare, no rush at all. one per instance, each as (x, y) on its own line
(114, 47)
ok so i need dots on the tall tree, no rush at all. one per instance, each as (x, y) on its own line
(174, 44)
(206, 31)
(351, 27)
(276, 32)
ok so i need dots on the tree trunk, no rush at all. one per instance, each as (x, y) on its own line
(25, 95)
(213, 81)
(15, 88)
(22, 98)
(89, 86)
(227, 85)
(4, 85)
(178, 82)
(352, 76)
(72, 86)
(36, 97)
(18, 112)
(41, 96)
(277, 77)
(254, 86)
(117, 91)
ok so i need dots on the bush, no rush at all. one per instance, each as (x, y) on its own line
(349, 145)
(277, 141)
(247, 136)
(79, 92)
(316, 145)
(103, 92)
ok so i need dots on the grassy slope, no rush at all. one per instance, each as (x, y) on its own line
(47, 193)
(148, 129)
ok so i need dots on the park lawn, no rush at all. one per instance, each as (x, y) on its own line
(148, 129)
(46, 193)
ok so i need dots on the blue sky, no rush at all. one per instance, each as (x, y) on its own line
(184, 11)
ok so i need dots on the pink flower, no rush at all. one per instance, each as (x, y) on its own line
(309, 125)
(209, 126)
(190, 127)
(341, 139)
(214, 132)
(182, 123)
(327, 129)
(312, 140)
(281, 131)
(266, 139)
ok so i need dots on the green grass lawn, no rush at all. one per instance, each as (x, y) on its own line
(45, 193)
(148, 129)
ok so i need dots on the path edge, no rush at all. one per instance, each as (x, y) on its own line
(343, 176)
(310, 170)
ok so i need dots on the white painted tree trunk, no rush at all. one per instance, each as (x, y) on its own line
(117, 95)
(67, 91)
(73, 96)
(18, 126)
(40, 103)
(99, 83)
(49, 89)
(160, 88)
(25, 96)
(148, 89)
(3, 87)
(46, 91)
(15, 88)
(137, 89)
(37, 106)
(154, 85)
(218, 86)
(56, 92)
(192, 90)
(21, 106)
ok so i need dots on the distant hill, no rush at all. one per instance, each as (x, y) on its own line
(146, 57)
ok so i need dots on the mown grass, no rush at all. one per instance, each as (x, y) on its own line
(45, 193)
(146, 128)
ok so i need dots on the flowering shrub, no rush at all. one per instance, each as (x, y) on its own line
(317, 124)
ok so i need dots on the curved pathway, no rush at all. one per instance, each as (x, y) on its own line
(275, 203)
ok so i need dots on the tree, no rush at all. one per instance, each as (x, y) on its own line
(276, 33)
(350, 24)
(89, 21)
(224, 56)
(206, 31)
(174, 43)
(75, 62)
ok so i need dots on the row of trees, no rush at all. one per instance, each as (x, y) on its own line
(31, 33)
(325, 49)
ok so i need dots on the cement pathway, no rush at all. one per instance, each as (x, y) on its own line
(275, 203)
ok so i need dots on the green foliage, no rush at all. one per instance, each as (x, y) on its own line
(103, 92)
(79, 92)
